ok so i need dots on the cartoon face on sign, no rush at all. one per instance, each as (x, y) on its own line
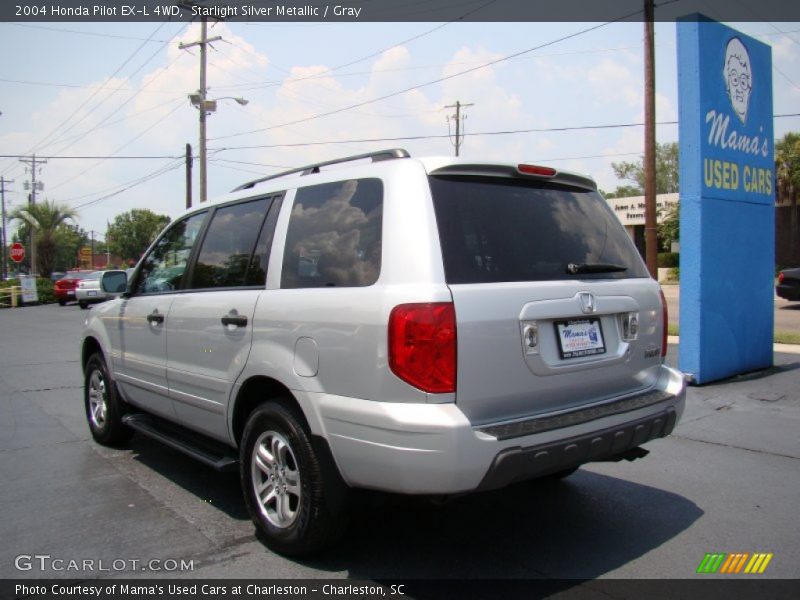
(738, 77)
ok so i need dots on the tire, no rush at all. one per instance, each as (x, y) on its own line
(62, 302)
(293, 514)
(104, 408)
(83, 305)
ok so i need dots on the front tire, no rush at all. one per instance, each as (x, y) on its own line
(283, 483)
(104, 408)
(83, 305)
(62, 302)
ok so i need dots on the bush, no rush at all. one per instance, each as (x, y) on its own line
(44, 289)
(668, 260)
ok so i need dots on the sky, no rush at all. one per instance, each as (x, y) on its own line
(114, 90)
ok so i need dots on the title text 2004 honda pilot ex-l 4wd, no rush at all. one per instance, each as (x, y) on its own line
(422, 326)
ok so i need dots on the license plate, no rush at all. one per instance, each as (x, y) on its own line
(583, 337)
(91, 293)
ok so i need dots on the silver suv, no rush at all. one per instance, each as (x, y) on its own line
(422, 326)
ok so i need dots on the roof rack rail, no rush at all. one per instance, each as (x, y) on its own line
(309, 169)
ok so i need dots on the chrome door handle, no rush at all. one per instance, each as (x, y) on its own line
(236, 320)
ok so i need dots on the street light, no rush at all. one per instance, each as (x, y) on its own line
(206, 107)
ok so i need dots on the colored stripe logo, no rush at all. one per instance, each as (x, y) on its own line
(735, 563)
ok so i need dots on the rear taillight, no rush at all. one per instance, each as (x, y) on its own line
(665, 322)
(781, 277)
(422, 345)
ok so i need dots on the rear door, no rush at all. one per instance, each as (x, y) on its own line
(210, 328)
(554, 306)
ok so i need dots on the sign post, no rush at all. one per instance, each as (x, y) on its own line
(29, 292)
(727, 216)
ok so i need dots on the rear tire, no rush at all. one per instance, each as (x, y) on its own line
(104, 408)
(283, 483)
(83, 305)
(62, 302)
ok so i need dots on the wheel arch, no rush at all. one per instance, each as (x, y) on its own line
(255, 391)
(91, 345)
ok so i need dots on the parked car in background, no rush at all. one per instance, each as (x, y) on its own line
(64, 288)
(56, 275)
(89, 290)
(789, 284)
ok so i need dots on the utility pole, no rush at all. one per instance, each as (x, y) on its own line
(458, 119)
(188, 176)
(35, 186)
(108, 247)
(650, 231)
(201, 101)
(3, 183)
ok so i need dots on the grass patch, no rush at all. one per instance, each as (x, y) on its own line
(780, 337)
(787, 337)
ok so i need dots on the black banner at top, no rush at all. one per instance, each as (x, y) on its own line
(366, 11)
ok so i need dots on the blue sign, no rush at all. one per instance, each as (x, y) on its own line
(727, 194)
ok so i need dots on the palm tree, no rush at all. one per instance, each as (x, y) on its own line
(44, 218)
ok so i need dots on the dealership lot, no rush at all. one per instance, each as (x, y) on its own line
(727, 480)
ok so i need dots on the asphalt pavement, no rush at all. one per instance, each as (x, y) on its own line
(726, 480)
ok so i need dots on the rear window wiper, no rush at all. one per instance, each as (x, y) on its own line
(574, 269)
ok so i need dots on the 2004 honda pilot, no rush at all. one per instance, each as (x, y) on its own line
(422, 326)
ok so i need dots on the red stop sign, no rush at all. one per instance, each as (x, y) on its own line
(17, 252)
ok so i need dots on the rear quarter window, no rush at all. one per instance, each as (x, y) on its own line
(334, 236)
(506, 230)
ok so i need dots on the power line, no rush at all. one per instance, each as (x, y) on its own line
(171, 166)
(96, 157)
(438, 80)
(89, 33)
(80, 87)
(125, 145)
(89, 99)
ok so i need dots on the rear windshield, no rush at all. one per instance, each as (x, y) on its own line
(502, 230)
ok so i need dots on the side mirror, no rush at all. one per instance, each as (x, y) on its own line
(114, 282)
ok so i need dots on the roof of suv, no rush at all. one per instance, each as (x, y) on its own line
(442, 165)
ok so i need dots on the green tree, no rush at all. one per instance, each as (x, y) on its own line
(45, 218)
(633, 172)
(787, 171)
(132, 232)
(669, 227)
(70, 238)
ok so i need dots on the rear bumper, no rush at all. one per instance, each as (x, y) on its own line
(788, 292)
(518, 464)
(90, 296)
(434, 449)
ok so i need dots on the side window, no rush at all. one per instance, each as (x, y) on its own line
(226, 254)
(162, 269)
(334, 236)
(257, 273)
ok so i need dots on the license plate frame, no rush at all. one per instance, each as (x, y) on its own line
(578, 338)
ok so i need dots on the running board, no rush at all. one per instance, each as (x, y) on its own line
(209, 452)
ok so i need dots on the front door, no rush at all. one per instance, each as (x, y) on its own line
(140, 332)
